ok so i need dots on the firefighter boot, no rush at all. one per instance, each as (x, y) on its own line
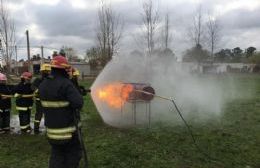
(36, 127)
(6, 121)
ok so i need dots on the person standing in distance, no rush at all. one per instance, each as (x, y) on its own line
(24, 101)
(5, 104)
(60, 100)
(45, 71)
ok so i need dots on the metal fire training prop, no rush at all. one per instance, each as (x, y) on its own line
(139, 98)
(217, 161)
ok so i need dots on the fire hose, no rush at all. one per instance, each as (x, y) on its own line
(79, 132)
(218, 161)
(80, 137)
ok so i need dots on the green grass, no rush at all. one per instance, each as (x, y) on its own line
(233, 140)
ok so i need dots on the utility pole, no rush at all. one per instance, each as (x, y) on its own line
(42, 56)
(16, 64)
(2, 55)
(28, 52)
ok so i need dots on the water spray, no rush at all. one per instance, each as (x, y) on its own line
(119, 102)
(187, 126)
(184, 121)
(116, 94)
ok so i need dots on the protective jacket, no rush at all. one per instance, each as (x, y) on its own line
(24, 95)
(6, 92)
(59, 99)
(80, 88)
(39, 111)
(36, 83)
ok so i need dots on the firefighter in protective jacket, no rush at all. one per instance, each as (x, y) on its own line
(74, 74)
(24, 101)
(45, 71)
(5, 104)
(60, 101)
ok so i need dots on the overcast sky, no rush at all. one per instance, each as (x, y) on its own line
(73, 23)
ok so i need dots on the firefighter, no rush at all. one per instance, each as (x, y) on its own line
(61, 101)
(5, 104)
(45, 71)
(74, 74)
(24, 101)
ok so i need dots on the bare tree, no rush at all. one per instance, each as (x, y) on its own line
(196, 32)
(213, 34)
(150, 18)
(109, 32)
(7, 34)
(166, 35)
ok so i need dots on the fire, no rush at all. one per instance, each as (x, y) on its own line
(115, 94)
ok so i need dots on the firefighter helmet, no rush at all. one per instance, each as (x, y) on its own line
(75, 72)
(54, 54)
(26, 75)
(45, 67)
(60, 62)
(2, 77)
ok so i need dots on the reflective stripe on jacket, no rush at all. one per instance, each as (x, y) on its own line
(25, 126)
(60, 133)
(23, 108)
(54, 104)
(7, 96)
(23, 95)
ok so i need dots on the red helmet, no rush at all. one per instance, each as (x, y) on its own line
(27, 75)
(2, 77)
(60, 62)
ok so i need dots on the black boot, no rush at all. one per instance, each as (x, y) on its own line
(26, 131)
(1, 131)
(36, 127)
(7, 129)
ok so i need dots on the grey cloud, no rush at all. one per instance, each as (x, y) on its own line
(242, 19)
(64, 20)
(79, 26)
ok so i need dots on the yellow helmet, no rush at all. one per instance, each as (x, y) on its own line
(75, 72)
(45, 67)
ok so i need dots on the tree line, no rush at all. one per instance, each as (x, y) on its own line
(235, 55)
(155, 36)
(204, 33)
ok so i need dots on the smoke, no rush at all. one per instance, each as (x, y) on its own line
(199, 96)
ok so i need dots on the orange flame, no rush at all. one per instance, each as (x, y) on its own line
(115, 94)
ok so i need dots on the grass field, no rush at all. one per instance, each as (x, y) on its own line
(234, 141)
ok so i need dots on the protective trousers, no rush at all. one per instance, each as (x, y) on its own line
(5, 120)
(38, 116)
(24, 117)
(66, 155)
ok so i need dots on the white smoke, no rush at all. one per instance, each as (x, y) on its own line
(199, 97)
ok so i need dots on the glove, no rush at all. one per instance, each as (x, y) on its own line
(82, 91)
(16, 95)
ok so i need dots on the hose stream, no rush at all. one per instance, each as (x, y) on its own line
(188, 128)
